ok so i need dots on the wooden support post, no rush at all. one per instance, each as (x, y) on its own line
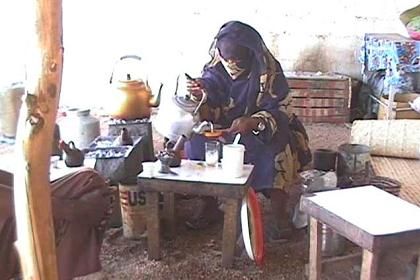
(230, 228)
(369, 265)
(315, 256)
(153, 225)
(35, 229)
(169, 214)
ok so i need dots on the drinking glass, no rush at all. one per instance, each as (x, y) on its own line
(212, 153)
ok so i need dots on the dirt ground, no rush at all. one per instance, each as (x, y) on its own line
(196, 254)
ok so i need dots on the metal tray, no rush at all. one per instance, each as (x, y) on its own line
(107, 147)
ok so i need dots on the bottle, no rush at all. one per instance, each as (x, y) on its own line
(80, 127)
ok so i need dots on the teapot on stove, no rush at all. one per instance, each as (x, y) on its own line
(133, 97)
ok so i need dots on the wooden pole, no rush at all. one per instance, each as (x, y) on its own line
(35, 230)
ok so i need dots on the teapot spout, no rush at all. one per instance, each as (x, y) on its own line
(155, 100)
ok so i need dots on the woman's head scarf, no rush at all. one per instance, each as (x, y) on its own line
(266, 75)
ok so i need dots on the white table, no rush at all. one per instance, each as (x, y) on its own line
(62, 170)
(192, 177)
(371, 218)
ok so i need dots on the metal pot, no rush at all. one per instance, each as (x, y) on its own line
(353, 166)
(179, 117)
(352, 159)
(325, 159)
(133, 99)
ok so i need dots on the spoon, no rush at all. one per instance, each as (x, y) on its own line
(237, 138)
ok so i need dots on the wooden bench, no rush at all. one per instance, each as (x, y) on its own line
(367, 216)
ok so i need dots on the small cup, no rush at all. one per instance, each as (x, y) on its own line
(212, 153)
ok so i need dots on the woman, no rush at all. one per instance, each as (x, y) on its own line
(81, 206)
(247, 93)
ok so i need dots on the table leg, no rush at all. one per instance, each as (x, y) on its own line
(169, 214)
(230, 228)
(418, 268)
(153, 225)
(315, 256)
(369, 265)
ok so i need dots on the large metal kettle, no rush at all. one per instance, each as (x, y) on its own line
(180, 116)
(133, 97)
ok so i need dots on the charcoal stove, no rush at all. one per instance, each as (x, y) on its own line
(118, 163)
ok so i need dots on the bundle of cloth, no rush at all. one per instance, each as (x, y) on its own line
(81, 206)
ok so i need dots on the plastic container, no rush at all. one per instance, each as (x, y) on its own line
(10, 103)
(233, 160)
(80, 127)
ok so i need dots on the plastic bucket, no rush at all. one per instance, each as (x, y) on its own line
(133, 211)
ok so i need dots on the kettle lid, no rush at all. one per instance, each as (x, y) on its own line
(185, 102)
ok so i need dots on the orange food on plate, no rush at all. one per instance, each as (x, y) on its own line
(213, 134)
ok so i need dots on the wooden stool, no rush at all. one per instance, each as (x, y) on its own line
(369, 217)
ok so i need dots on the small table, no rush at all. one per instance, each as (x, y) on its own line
(192, 177)
(62, 170)
(371, 218)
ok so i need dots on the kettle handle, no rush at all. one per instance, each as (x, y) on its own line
(133, 56)
(203, 99)
(71, 145)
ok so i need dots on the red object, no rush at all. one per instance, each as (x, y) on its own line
(257, 232)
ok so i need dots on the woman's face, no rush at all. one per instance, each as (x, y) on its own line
(235, 59)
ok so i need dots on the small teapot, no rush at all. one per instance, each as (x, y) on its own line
(73, 157)
(125, 139)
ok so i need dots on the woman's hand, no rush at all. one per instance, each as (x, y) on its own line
(195, 87)
(244, 125)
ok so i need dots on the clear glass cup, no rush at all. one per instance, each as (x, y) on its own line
(212, 153)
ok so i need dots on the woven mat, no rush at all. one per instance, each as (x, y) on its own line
(407, 171)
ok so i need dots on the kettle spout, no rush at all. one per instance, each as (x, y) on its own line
(155, 100)
(203, 127)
